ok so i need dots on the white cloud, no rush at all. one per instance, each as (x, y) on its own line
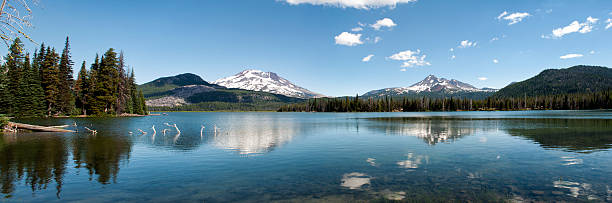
(609, 25)
(357, 4)
(514, 18)
(453, 57)
(410, 58)
(377, 39)
(357, 29)
(495, 61)
(385, 22)
(592, 52)
(575, 26)
(494, 39)
(466, 44)
(483, 78)
(451, 49)
(570, 56)
(403, 70)
(367, 58)
(348, 39)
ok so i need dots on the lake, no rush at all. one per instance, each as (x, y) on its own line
(298, 157)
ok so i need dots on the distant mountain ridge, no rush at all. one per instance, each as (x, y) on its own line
(258, 80)
(191, 92)
(576, 79)
(433, 86)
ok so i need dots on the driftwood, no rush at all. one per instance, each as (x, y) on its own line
(60, 126)
(93, 132)
(38, 128)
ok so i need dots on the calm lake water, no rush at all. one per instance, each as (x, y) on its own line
(255, 157)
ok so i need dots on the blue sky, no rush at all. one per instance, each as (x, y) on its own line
(302, 40)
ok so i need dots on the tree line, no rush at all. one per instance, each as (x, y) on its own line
(44, 85)
(576, 101)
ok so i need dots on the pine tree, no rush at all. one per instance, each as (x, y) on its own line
(66, 96)
(106, 84)
(15, 74)
(143, 103)
(51, 81)
(31, 93)
(4, 91)
(122, 89)
(81, 87)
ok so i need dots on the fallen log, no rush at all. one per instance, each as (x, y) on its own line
(39, 128)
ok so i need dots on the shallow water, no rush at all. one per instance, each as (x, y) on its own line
(254, 157)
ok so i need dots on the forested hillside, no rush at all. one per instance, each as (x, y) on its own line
(576, 79)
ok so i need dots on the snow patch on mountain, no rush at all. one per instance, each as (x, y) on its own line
(431, 84)
(258, 80)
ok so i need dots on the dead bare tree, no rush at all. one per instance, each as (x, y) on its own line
(15, 18)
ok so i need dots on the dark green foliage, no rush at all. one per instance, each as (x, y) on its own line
(51, 81)
(46, 87)
(578, 101)
(31, 94)
(168, 83)
(577, 79)
(240, 96)
(105, 89)
(15, 73)
(66, 82)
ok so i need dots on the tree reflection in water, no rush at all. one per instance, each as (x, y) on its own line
(101, 155)
(41, 158)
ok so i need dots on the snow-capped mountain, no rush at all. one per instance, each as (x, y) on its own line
(257, 80)
(431, 84)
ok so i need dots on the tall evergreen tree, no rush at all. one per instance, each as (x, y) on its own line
(4, 91)
(51, 81)
(66, 78)
(14, 64)
(122, 85)
(106, 84)
(31, 93)
(81, 88)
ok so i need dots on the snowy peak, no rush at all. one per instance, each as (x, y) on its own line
(258, 80)
(433, 84)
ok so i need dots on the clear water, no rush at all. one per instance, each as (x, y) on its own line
(255, 157)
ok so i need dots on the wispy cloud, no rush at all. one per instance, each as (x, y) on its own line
(357, 4)
(495, 61)
(609, 25)
(385, 22)
(467, 44)
(482, 78)
(348, 39)
(357, 29)
(377, 39)
(410, 58)
(367, 58)
(513, 18)
(573, 27)
(570, 56)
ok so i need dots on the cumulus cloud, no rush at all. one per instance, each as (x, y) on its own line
(513, 18)
(348, 39)
(609, 25)
(570, 56)
(357, 4)
(403, 70)
(466, 44)
(357, 29)
(367, 58)
(385, 22)
(483, 78)
(495, 61)
(410, 58)
(573, 27)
